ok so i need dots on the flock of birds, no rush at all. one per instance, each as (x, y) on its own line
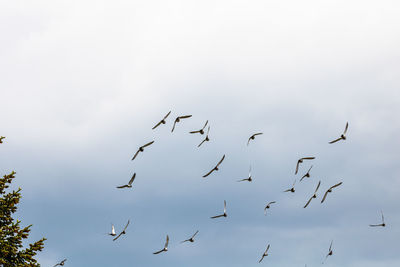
(201, 131)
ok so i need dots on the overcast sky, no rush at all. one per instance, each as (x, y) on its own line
(83, 82)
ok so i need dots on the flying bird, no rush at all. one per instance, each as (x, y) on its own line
(205, 139)
(162, 121)
(190, 239)
(201, 131)
(249, 179)
(165, 246)
(112, 231)
(61, 263)
(253, 137)
(291, 189)
(222, 215)
(141, 149)
(330, 252)
(1, 139)
(265, 254)
(381, 224)
(268, 206)
(343, 136)
(123, 231)
(301, 161)
(307, 174)
(215, 168)
(329, 191)
(313, 196)
(178, 119)
(129, 185)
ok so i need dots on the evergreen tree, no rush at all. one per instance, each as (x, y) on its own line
(12, 252)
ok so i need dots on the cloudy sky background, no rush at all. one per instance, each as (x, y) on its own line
(83, 82)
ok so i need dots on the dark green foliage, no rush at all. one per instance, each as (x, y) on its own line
(12, 252)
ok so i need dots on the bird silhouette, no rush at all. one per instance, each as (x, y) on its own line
(129, 185)
(381, 224)
(221, 215)
(141, 149)
(329, 191)
(165, 247)
(178, 119)
(201, 131)
(264, 254)
(268, 206)
(190, 239)
(342, 136)
(207, 137)
(61, 263)
(301, 161)
(215, 168)
(161, 121)
(123, 231)
(313, 196)
(253, 137)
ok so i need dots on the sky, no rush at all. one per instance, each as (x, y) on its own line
(83, 82)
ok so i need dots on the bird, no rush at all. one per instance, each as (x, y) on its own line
(129, 185)
(307, 174)
(1, 139)
(123, 231)
(268, 206)
(301, 161)
(265, 254)
(201, 131)
(207, 137)
(61, 263)
(221, 215)
(191, 239)
(253, 137)
(381, 224)
(314, 195)
(215, 168)
(112, 231)
(141, 149)
(329, 191)
(162, 121)
(292, 190)
(249, 179)
(178, 119)
(330, 252)
(343, 136)
(165, 247)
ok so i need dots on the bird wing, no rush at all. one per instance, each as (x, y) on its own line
(166, 116)
(262, 257)
(374, 225)
(112, 229)
(301, 179)
(345, 129)
(201, 143)
(204, 176)
(309, 158)
(310, 169)
(272, 202)
(195, 234)
(248, 141)
(122, 186)
(185, 116)
(257, 134)
(117, 236)
(336, 185)
(213, 217)
(158, 124)
(326, 193)
(205, 125)
(266, 249)
(334, 141)
(294, 182)
(316, 189)
(166, 242)
(149, 143)
(223, 157)
(158, 252)
(224, 206)
(308, 202)
(208, 130)
(192, 132)
(126, 226)
(297, 167)
(290, 189)
(185, 241)
(137, 152)
(242, 180)
(383, 219)
(173, 127)
(330, 247)
(132, 179)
